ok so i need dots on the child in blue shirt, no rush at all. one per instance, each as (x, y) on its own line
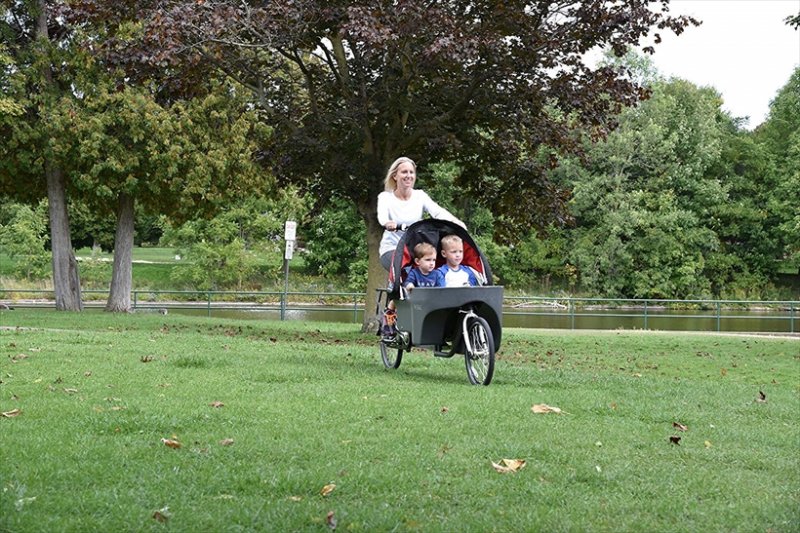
(455, 274)
(424, 273)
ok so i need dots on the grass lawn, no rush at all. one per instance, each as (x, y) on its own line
(269, 414)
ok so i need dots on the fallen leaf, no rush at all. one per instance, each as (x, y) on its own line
(146, 358)
(723, 372)
(674, 439)
(541, 408)
(296, 498)
(762, 398)
(217, 404)
(330, 520)
(327, 489)
(87, 374)
(162, 515)
(707, 444)
(679, 426)
(172, 443)
(509, 466)
(445, 409)
(12, 413)
(70, 391)
(226, 442)
(613, 405)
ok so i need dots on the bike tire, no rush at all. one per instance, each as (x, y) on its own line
(391, 357)
(480, 358)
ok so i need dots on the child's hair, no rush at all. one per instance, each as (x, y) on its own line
(450, 239)
(423, 249)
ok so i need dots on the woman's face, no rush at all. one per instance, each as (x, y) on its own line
(405, 176)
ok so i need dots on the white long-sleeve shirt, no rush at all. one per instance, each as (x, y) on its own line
(406, 212)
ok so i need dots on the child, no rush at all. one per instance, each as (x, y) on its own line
(455, 274)
(424, 274)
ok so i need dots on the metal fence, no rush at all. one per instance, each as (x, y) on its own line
(519, 311)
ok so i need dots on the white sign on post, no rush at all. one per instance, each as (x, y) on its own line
(289, 250)
(291, 230)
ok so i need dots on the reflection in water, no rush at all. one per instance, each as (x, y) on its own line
(695, 320)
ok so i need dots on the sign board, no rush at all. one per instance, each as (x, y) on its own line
(291, 230)
(289, 250)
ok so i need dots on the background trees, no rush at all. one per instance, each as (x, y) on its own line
(349, 87)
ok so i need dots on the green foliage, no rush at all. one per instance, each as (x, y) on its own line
(334, 239)
(643, 203)
(241, 247)
(215, 266)
(23, 237)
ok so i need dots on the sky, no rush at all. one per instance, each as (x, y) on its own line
(743, 49)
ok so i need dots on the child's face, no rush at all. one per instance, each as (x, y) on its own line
(426, 263)
(453, 253)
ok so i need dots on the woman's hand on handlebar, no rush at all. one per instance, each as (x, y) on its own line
(394, 226)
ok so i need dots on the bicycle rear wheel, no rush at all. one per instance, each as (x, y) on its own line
(392, 357)
(479, 356)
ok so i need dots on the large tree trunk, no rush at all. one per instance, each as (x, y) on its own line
(377, 276)
(66, 279)
(119, 296)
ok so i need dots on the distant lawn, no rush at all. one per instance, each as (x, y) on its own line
(148, 253)
(272, 416)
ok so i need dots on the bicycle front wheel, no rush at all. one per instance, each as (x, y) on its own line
(479, 356)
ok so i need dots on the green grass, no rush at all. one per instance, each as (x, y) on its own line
(307, 405)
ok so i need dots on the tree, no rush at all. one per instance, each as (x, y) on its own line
(36, 76)
(185, 160)
(350, 86)
(780, 137)
(645, 198)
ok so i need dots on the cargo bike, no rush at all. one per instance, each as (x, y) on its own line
(450, 321)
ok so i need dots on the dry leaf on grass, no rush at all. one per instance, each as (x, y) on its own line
(327, 489)
(226, 442)
(707, 444)
(543, 408)
(762, 398)
(330, 520)
(674, 439)
(217, 404)
(679, 426)
(509, 466)
(162, 515)
(172, 443)
(12, 413)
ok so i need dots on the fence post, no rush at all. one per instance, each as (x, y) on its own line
(791, 317)
(719, 306)
(355, 308)
(571, 314)
(135, 299)
(209, 304)
(645, 314)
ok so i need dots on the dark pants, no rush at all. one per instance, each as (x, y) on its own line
(386, 260)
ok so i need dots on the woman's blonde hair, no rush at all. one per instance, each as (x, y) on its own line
(389, 184)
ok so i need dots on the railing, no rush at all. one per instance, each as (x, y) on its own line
(519, 311)
(585, 313)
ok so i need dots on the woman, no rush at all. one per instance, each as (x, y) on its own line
(400, 205)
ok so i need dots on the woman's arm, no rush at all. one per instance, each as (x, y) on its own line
(437, 211)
